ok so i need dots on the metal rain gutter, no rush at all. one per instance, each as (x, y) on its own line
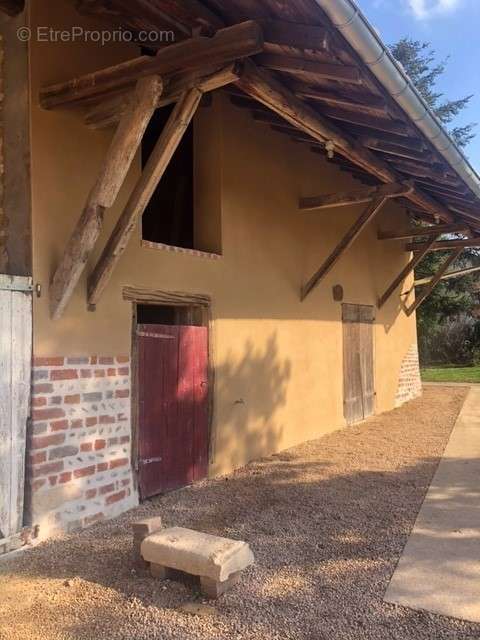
(354, 26)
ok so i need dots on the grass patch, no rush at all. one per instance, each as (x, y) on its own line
(451, 374)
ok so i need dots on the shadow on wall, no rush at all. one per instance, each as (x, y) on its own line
(249, 393)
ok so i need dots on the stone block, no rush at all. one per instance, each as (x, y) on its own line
(197, 553)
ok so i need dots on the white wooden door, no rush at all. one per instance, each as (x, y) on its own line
(15, 373)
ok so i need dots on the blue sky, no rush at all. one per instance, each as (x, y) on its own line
(453, 28)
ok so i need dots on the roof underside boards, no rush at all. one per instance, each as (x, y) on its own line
(311, 59)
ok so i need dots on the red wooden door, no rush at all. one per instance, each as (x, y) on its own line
(173, 415)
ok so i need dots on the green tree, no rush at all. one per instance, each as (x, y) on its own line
(419, 61)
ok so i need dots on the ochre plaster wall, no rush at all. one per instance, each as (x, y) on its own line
(278, 361)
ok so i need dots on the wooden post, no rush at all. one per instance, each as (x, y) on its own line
(158, 162)
(122, 150)
(344, 244)
(435, 280)
(407, 270)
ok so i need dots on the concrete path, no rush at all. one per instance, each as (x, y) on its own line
(439, 570)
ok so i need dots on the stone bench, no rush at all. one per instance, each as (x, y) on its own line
(217, 561)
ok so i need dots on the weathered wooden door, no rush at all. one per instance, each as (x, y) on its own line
(358, 374)
(173, 412)
(15, 373)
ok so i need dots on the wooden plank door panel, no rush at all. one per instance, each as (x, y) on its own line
(358, 363)
(173, 416)
(15, 377)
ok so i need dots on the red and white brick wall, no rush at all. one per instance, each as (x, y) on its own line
(409, 383)
(79, 448)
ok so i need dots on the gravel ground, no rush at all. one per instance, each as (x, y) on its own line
(327, 522)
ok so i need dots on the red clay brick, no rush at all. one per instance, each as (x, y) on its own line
(76, 424)
(53, 480)
(124, 439)
(112, 441)
(65, 477)
(106, 360)
(107, 488)
(111, 372)
(99, 373)
(122, 393)
(59, 425)
(86, 373)
(47, 414)
(86, 446)
(94, 360)
(102, 466)
(97, 517)
(64, 374)
(73, 399)
(42, 442)
(125, 482)
(46, 469)
(124, 371)
(100, 444)
(91, 422)
(38, 484)
(86, 471)
(90, 493)
(123, 359)
(121, 462)
(107, 419)
(38, 402)
(38, 458)
(48, 362)
(44, 387)
(116, 497)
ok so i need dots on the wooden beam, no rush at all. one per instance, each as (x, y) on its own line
(394, 149)
(366, 103)
(448, 276)
(110, 111)
(442, 245)
(12, 7)
(166, 146)
(112, 174)
(347, 240)
(433, 283)
(407, 270)
(415, 232)
(359, 196)
(297, 36)
(323, 70)
(261, 86)
(227, 45)
(364, 120)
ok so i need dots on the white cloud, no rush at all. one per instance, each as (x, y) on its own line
(423, 9)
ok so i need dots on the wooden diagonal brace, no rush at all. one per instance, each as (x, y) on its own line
(120, 155)
(344, 244)
(407, 270)
(158, 162)
(448, 276)
(435, 280)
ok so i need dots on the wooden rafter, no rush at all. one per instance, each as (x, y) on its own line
(324, 70)
(442, 245)
(416, 232)
(261, 86)
(347, 240)
(407, 270)
(448, 276)
(227, 45)
(433, 283)
(392, 149)
(298, 36)
(110, 111)
(117, 162)
(366, 120)
(168, 142)
(359, 196)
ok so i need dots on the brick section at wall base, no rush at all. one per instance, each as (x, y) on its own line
(409, 383)
(79, 449)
